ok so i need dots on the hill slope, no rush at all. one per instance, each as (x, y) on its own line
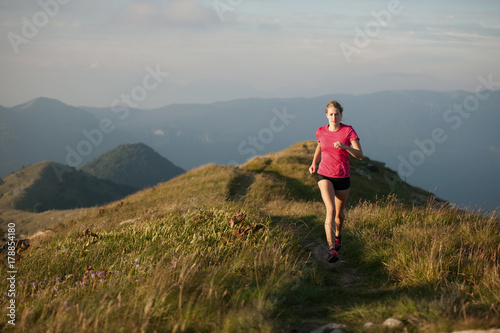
(135, 165)
(228, 249)
(49, 185)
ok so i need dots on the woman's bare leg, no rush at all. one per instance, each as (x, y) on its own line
(334, 204)
(328, 195)
(340, 200)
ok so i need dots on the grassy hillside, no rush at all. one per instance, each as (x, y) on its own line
(135, 165)
(30, 196)
(227, 249)
(49, 185)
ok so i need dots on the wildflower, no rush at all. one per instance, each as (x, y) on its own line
(137, 260)
(123, 259)
(101, 280)
(66, 303)
(137, 266)
(55, 288)
(33, 285)
(92, 275)
(100, 274)
(58, 279)
(21, 282)
(84, 282)
(136, 280)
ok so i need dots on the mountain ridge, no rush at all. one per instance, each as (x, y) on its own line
(135, 165)
(41, 187)
(41, 102)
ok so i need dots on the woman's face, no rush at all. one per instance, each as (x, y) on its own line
(333, 116)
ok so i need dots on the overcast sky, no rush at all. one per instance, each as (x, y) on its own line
(92, 52)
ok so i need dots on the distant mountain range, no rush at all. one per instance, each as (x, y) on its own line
(445, 142)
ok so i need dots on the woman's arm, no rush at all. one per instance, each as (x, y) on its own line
(355, 150)
(314, 164)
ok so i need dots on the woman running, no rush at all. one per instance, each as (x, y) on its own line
(335, 142)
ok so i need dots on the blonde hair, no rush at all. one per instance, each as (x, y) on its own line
(335, 105)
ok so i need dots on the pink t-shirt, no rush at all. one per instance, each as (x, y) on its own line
(335, 161)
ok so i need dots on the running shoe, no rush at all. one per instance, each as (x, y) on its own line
(338, 244)
(333, 256)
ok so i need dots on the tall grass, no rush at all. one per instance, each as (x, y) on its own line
(185, 271)
(448, 258)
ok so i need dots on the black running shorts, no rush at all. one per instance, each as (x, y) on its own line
(339, 184)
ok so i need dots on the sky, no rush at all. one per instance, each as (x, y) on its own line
(151, 53)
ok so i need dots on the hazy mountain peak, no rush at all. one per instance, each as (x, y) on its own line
(133, 164)
(42, 103)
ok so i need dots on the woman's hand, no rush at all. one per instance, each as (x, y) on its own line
(312, 169)
(317, 153)
(339, 144)
(355, 150)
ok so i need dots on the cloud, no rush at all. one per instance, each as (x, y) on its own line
(159, 132)
(188, 12)
(176, 13)
(95, 65)
(404, 75)
(495, 150)
(270, 27)
(138, 13)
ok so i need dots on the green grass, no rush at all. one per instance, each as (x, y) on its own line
(166, 259)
